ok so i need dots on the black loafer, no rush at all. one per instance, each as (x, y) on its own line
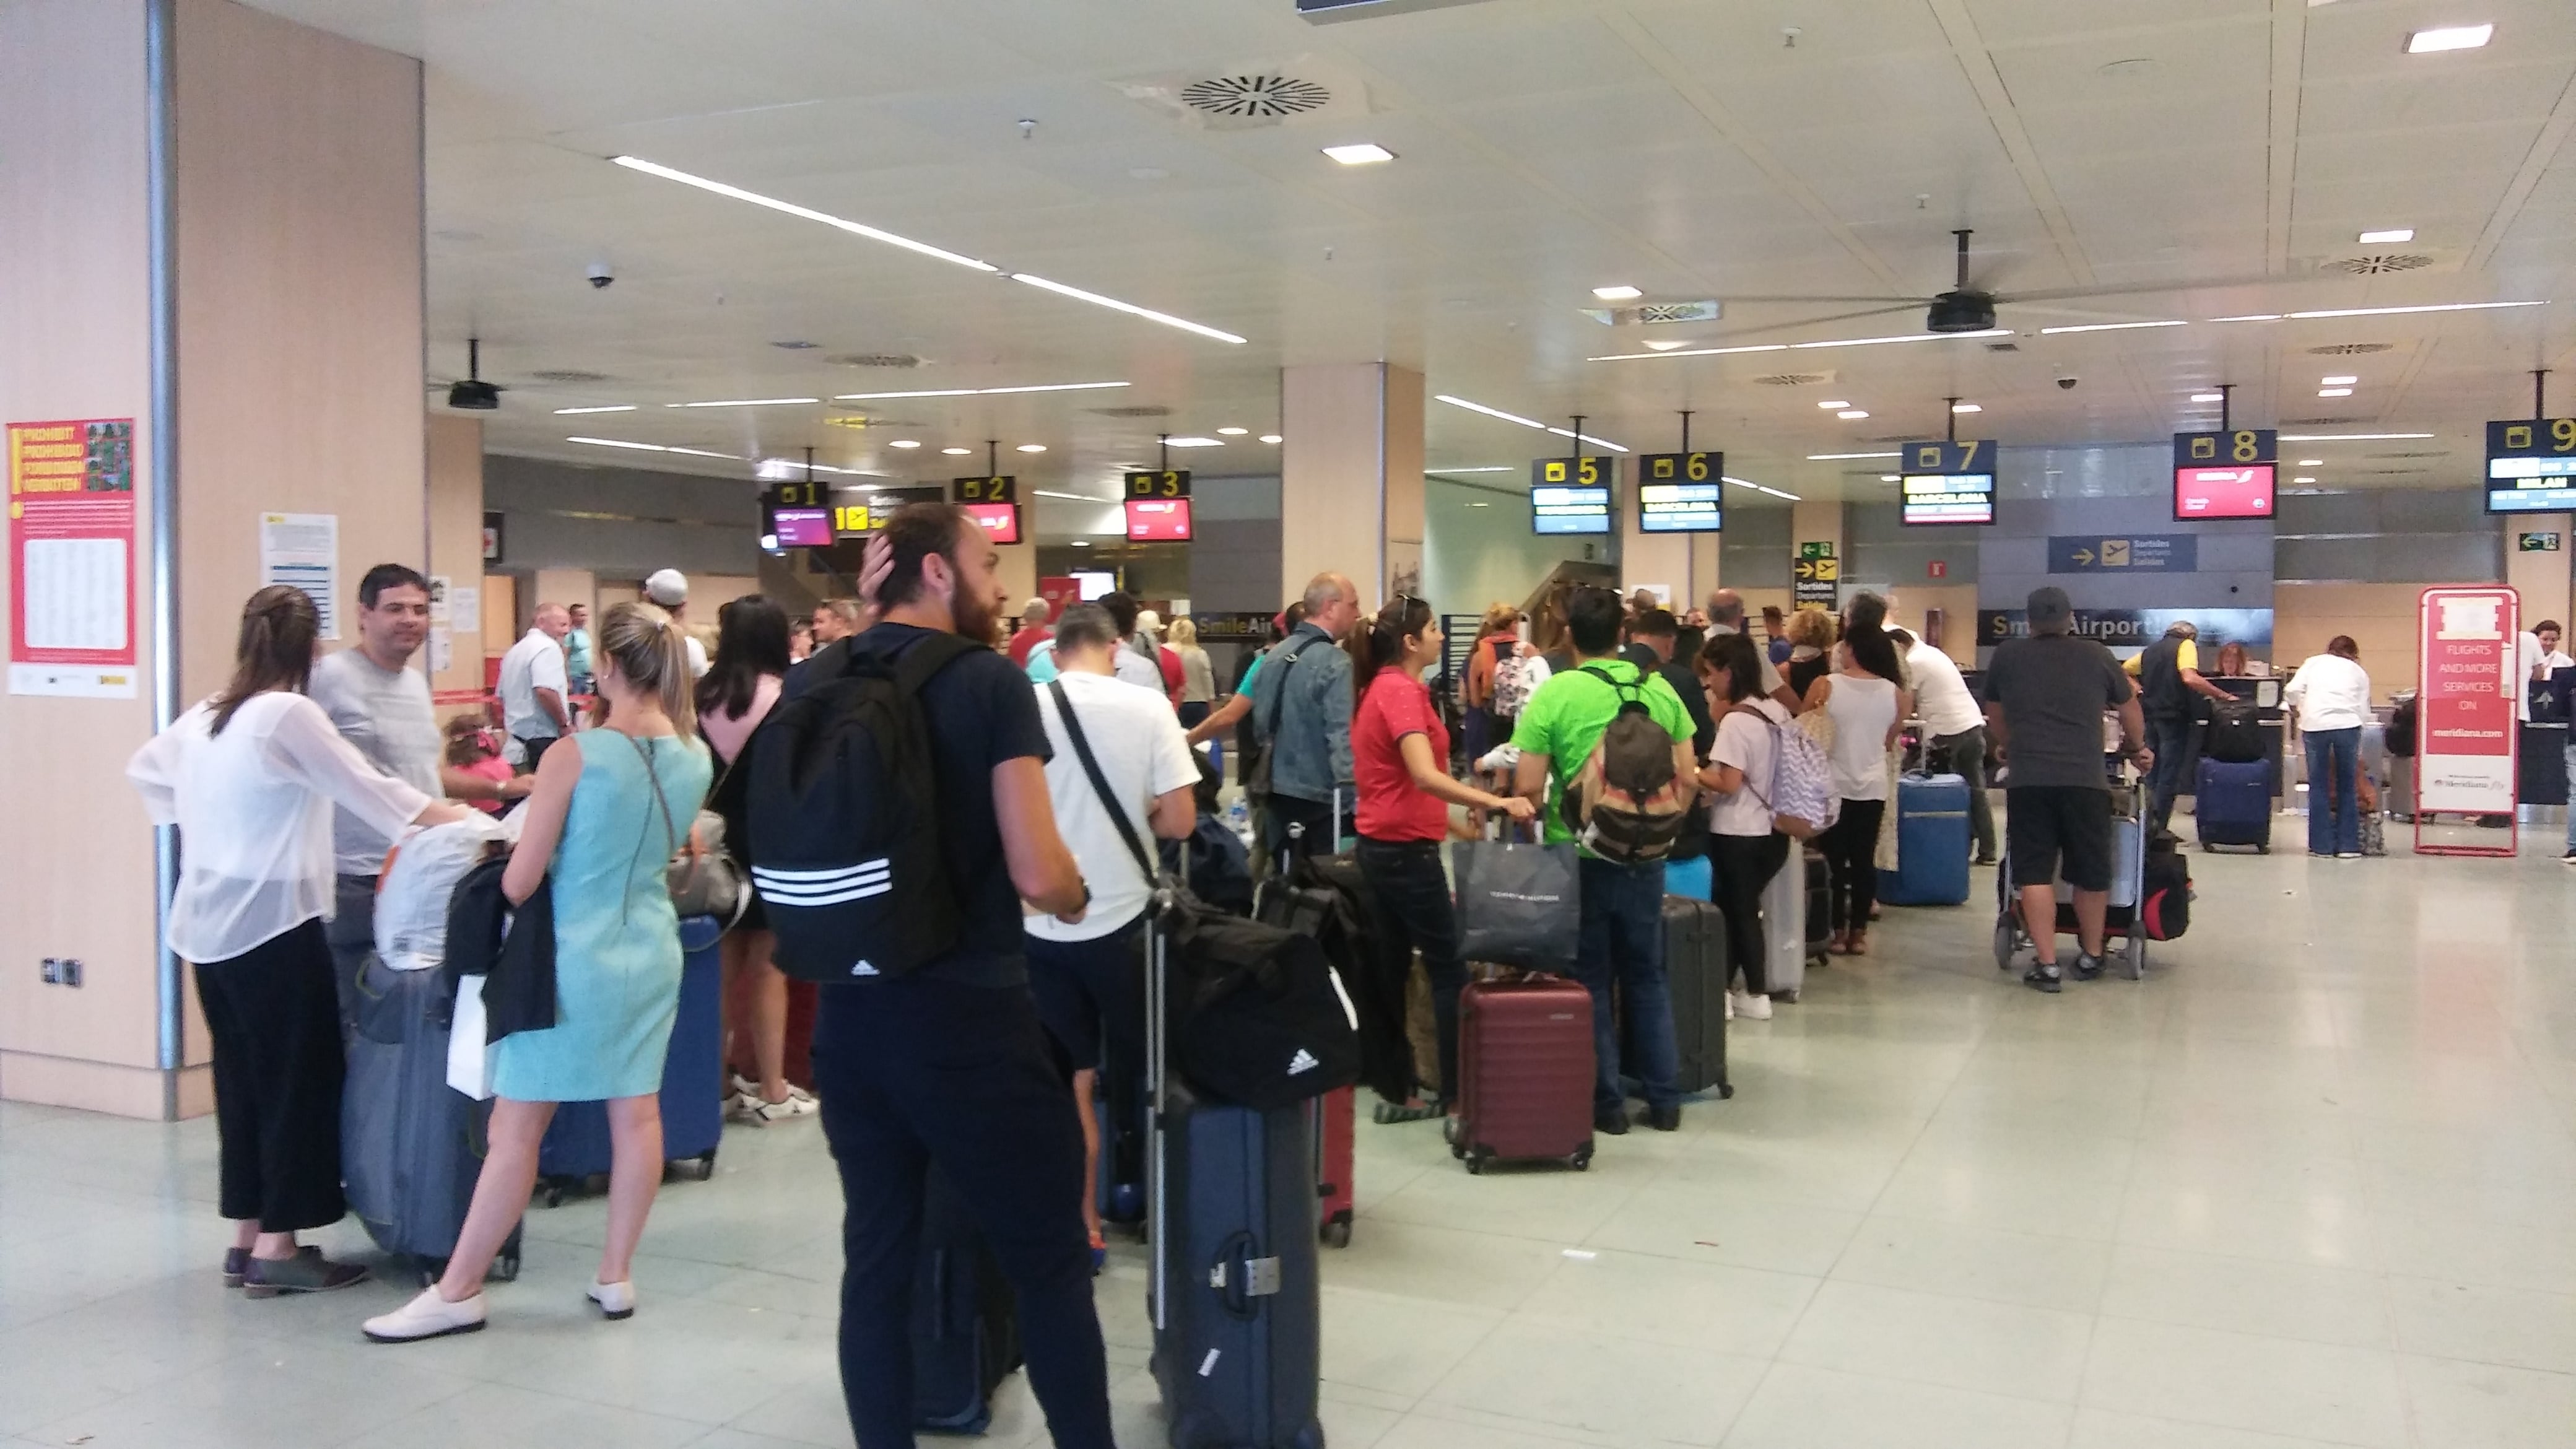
(1665, 1119)
(1611, 1124)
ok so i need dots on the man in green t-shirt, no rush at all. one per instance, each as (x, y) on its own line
(1622, 905)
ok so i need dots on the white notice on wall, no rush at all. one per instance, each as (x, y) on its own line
(465, 608)
(442, 648)
(303, 549)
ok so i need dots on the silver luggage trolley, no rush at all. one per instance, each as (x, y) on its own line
(2128, 889)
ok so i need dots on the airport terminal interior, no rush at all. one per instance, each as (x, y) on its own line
(2256, 315)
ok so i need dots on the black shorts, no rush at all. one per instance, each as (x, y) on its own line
(2044, 822)
(1090, 990)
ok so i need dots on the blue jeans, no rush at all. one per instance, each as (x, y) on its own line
(2334, 806)
(2171, 740)
(1623, 940)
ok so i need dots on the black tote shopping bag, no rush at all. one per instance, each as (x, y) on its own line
(1518, 904)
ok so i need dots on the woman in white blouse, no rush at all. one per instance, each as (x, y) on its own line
(249, 776)
(2331, 694)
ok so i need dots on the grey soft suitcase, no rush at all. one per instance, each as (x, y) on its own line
(410, 1145)
(1785, 910)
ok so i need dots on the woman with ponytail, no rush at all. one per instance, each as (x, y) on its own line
(249, 777)
(1400, 759)
(601, 827)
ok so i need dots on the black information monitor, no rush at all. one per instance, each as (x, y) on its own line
(2531, 466)
(1679, 493)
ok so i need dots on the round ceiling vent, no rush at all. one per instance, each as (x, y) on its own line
(1794, 379)
(1255, 96)
(568, 376)
(2351, 349)
(877, 359)
(2381, 263)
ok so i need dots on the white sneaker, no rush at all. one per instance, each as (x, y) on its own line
(758, 1112)
(615, 1300)
(427, 1316)
(1749, 1006)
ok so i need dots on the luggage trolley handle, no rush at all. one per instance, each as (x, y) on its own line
(1157, 1049)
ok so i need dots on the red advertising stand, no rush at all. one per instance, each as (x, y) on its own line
(2467, 736)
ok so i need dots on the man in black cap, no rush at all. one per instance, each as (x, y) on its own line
(2045, 698)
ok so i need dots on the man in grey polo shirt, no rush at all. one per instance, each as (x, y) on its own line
(382, 706)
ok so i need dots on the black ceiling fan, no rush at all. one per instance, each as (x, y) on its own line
(1968, 307)
(471, 392)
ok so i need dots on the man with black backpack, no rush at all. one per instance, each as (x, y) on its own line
(1614, 745)
(1301, 716)
(924, 750)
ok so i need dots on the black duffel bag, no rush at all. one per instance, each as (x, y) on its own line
(2235, 734)
(1257, 1016)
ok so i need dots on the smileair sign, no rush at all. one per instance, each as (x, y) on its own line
(2126, 631)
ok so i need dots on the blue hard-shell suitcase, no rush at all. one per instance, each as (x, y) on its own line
(2232, 804)
(1931, 843)
(576, 1144)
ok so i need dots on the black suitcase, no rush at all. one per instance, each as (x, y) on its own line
(1820, 904)
(1695, 966)
(965, 1324)
(1233, 1291)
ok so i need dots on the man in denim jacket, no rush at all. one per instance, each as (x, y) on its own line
(1301, 709)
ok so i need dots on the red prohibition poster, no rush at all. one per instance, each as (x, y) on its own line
(71, 557)
(2468, 646)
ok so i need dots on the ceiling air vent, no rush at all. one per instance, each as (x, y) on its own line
(568, 376)
(1255, 97)
(2351, 349)
(1653, 314)
(2379, 264)
(1795, 379)
(1147, 410)
(876, 359)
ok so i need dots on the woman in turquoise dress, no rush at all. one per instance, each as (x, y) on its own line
(602, 823)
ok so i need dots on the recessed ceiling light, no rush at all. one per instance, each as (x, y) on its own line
(2303, 480)
(1081, 543)
(1666, 346)
(957, 452)
(1480, 505)
(2337, 381)
(2110, 327)
(903, 443)
(1032, 447)
(1851, 415)
(1271, 438)
(1617, 294)
(2448, 37)
(1836, 403)
(973, 391)
(1966, 408)
(1838, 457)
(747, 402)
(1232, 432)
(1194, 442)
(2395, 234)
(2209, 397)
(613, 408)
(2312, 462)
(1891, 477)
(2334, 392)
(1360, 153)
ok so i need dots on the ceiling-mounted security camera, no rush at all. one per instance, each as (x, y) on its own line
(2068, 383)
(601, 276)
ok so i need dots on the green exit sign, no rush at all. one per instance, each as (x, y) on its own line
(2539, 542)
(1819, 549)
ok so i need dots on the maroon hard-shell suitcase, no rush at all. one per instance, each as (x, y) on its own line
(1525, 1069)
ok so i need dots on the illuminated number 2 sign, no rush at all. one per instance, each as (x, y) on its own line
(1001, 489)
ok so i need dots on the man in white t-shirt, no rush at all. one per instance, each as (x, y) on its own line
(668, 589)
(534, 685)
(1956, 727)
(382, 706)
(1088, 976)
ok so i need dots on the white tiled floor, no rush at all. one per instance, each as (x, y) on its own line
(2314, 1182)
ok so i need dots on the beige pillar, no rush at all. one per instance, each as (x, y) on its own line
(456, 547)
(285, 334)
(1351, 476)
(1816, 522)
(1019, 570)
(579, 586)
(1649, 558)
(2540, 575)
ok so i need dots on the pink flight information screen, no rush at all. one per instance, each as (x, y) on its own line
(802, 527)
(1159, 520)
(2240, 492)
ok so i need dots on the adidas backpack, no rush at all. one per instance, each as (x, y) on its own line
(843, 816)
(1628, 803)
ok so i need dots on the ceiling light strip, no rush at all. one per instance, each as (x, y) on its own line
(1070, 497)
(612, 408)
(2111, 327)
(1838, 457)
(973, 391)
(2377, 311)
(1477, 407)
(1130, 308)
(2351, 437)
(652, 448)
(649, 168)
(747, 402)
(1908, 337)
(1693, 352)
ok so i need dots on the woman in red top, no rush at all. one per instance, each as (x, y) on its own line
(1399, 757)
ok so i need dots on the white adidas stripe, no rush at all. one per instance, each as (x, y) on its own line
(833, 899)
(880, 865)
(856, 877)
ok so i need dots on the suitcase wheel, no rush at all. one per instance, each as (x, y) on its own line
(555, 1187)
(1790, 997)
(1725, 1090)
(1336, 1234)
(506, 1267)
(2137, 954)
(1475, 1161)
(1581, 1161)
(707, 1166)
(2262, 850)
(2006, 939)
(1127, 1202)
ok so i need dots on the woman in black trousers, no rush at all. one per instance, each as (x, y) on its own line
(249, 777)
(1744, 848)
